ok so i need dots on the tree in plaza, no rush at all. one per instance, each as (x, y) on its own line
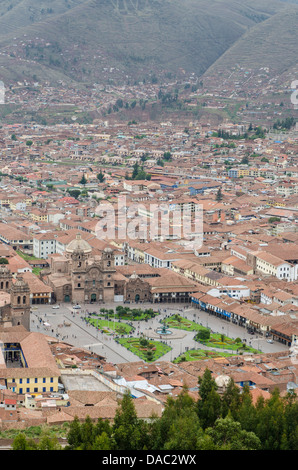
(122, 310)
(119, 309)
(203, 334)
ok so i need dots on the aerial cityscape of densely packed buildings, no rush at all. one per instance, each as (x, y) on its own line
(241, 174)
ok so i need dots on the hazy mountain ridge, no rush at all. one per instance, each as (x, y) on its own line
(82, 40)
(267, 44)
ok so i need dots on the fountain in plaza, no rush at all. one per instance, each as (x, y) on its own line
(163, 330)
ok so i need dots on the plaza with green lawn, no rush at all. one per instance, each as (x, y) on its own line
(110, 326)
(145, 349)
(208, 339)
(216, 340)
(177, 321)
(199, 355)
(129, 314)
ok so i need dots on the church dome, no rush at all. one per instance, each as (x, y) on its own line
(78, 244)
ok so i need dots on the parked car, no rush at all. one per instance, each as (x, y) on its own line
(269, 341)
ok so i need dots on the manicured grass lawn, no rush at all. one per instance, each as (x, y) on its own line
(109, 326)
(199, 355)
(149, 350)
(216, 341)
(176, 321)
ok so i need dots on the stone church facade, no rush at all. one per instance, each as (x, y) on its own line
(79, 277)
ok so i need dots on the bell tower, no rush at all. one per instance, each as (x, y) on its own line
(78, 274)
(108, 270)
(20, 303)
(78, 251)
(5, 279)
